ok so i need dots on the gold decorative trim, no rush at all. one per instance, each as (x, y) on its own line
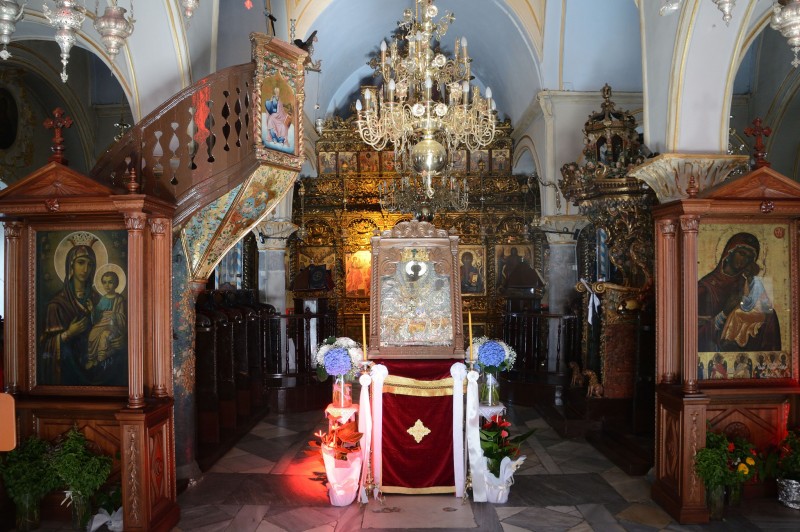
(417, 388)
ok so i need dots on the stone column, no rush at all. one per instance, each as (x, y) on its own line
(560, 231)
(271, 237)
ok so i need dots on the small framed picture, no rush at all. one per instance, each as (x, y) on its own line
(459, 161)
(475, 157)
(327, 163)
(369, 162)
(500, 161)
(348, 162)
(472, 270)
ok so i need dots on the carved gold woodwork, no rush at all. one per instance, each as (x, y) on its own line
(341, 212)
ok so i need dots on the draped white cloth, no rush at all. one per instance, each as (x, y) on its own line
(365, 428)
(477, 464)
(379, 373)
(459, 372)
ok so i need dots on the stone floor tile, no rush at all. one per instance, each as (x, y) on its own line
(599, 517)
(646, 514)
(248, 518)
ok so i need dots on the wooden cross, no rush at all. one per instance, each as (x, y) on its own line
(61, 121)
(758, 132)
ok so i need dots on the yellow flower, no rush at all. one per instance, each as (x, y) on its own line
(750, 461)
(743, 469)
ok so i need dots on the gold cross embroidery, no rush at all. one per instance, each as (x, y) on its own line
(419, 431)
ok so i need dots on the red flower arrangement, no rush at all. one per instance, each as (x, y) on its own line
(496, 442)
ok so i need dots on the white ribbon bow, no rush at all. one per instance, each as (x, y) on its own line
(594, 301)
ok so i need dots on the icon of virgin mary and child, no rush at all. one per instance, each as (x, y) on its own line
(734, 308)
(84, 339)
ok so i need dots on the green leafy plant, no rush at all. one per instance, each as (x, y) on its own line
(80, 471)
(497, 443)
(26, 472)
(725, 463)
(788, 460)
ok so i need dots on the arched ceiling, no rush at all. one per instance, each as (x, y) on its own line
(519, 47)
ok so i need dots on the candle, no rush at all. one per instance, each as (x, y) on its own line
(364, 335)
(469, 318)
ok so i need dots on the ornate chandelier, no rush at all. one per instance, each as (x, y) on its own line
(423, 109)
(414, 193)
(67, 18)
(786, 19)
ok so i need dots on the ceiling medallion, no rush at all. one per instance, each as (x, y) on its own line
(10, 13)
(113, 27)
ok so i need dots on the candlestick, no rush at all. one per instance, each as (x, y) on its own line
(364, 335)
(469, 318)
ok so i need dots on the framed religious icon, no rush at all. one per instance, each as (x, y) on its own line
(744, 301)
(472, 270)
(475, 157)
(327, 163)
(387, 162)
(513, 264)
(348, 162)
(80, 335)
(415, 305)
(369, 162)
(358, 273)
(459, 162)
(500, 161)
(278, 114)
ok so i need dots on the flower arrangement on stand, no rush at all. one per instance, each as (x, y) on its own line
(788, 470)
(341, 451)
(724, 465)
(501, 453)
(339, 357)
(492, 356)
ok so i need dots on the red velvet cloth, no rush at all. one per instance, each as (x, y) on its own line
(427, 466)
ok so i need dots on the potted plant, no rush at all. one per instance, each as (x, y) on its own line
(788, 470)
(28, 477)
(81, 472)
(341, 454)
(711, 465)
(501, 453)
(742, 463)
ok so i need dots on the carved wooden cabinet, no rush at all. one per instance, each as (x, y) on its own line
(727, 325)
(88, 326)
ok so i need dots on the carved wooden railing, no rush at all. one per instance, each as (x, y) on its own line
(194, 147)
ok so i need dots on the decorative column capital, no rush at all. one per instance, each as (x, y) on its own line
(667, 227)
(13, 229)
(135, 221)
(273, 234)
(562, 229)
(690, 223)
(669, 174)
(158, 226)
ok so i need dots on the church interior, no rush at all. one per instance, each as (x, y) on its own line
(344, 264)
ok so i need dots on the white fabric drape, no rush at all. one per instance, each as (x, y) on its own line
(459, 372)
(477, 465)
(365, 428)
(379, 373)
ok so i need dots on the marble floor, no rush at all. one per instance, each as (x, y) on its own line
(273, 481)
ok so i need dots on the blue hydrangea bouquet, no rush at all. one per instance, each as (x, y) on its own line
(492, 357)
